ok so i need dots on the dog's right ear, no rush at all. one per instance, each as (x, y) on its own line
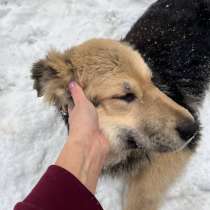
(51, 77)
(41, 74)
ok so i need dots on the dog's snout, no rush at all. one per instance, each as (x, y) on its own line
(187, 129)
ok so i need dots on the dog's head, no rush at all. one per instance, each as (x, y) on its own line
(134, 114)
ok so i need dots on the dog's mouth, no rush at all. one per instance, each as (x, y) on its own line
(132, 143)
(131, 139)
(137, 152)
(136, 142)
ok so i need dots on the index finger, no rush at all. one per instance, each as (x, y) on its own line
(76, 93)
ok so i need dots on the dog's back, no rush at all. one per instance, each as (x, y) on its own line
(174, 38)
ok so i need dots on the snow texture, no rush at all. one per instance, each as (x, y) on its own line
(31, 133)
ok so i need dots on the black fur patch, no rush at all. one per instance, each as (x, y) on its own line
(173, 37)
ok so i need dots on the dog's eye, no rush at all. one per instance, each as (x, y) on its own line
(129, 97)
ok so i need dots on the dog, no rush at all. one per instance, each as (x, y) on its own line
(147, 89)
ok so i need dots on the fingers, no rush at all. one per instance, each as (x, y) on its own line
(76, 93)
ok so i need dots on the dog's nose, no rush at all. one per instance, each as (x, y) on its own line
(187, 129)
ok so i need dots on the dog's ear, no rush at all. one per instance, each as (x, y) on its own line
(51, 77)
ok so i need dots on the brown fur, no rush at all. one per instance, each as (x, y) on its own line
(146, 189)
(108, 70)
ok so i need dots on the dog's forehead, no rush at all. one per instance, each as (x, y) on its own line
(99, 59)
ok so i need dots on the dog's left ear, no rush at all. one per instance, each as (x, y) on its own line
(51, 77)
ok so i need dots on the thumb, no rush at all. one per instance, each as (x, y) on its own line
(76, 92)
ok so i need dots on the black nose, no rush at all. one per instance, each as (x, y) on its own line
(187, 129)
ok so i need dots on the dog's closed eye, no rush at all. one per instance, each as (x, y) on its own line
(128, 97)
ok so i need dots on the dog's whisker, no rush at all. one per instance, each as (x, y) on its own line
(184, 145)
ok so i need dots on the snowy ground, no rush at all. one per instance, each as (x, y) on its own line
(31, 134)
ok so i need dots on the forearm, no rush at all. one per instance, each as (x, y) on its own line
(85, 164)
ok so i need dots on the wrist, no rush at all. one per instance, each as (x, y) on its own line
(86, 167)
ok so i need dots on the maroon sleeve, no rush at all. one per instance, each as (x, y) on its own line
(59, 189)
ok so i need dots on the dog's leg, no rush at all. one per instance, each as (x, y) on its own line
(145, 190)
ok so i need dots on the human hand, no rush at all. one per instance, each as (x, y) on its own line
(86, 148)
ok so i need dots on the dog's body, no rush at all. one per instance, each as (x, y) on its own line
(152, 136)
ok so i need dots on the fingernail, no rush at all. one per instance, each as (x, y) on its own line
(72, 84)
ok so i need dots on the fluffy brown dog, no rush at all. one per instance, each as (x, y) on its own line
(141, 122)
(153, 132)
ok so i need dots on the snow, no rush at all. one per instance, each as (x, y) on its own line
(31, 132)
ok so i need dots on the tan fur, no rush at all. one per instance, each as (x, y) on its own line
(147, 188)
(107, 70)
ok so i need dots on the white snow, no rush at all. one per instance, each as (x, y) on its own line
(31, 133)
